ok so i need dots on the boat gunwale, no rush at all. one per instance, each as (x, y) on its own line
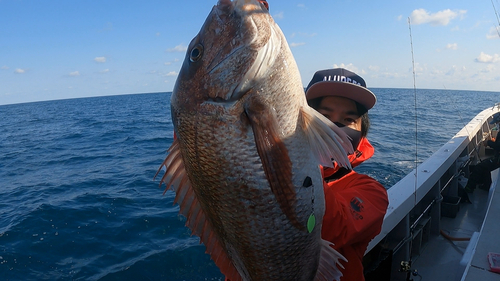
(405, 194)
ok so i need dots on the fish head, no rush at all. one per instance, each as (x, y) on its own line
(225, 58)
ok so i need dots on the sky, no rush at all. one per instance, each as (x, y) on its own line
(59, 49)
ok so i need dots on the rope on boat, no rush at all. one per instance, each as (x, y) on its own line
(451, 238)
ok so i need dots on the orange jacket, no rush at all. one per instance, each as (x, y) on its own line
(355, 210)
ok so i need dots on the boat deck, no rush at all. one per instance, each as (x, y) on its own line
(489, 241)
(445, 259)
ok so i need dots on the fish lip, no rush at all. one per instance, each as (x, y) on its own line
(224, 2)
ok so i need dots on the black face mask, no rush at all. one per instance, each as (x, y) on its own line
(354, 135)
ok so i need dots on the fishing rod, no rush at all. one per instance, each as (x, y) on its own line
(405, 266)
(415, 106)
(498, 18)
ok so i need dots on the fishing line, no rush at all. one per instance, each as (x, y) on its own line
(476, 149)
(458, 111)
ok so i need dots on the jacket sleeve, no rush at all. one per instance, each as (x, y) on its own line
(355, 206)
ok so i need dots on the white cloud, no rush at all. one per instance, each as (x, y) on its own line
(494, 33)
(172, 73)
(104, 71)
(391, 75)
(374, 68)
(454, 69)
(20, 71)
(418, 69)
(5, 67)
(437, 72)
(308, 34)
(100, 59)
(74, 73)
(279, 15)
(178, 48)
(490, 68)
(171, 62)
(400, 17)
(421, 16)
(485, 58)
(158, 34)
(300, 34)
(453, 46)
(450, 46)
(301, 5)
(350, 67)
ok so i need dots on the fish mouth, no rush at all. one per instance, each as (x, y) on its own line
(242, 5)
(247, 41)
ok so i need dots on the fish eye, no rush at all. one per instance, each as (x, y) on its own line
(196, 53)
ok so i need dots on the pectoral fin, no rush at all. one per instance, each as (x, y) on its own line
(326, 139)
(329, 263)
(274, 156)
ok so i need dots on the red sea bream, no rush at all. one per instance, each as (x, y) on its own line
(244, 165)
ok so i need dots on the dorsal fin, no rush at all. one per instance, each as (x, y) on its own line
(175, 177)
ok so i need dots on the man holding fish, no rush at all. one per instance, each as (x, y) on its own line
(355, 203)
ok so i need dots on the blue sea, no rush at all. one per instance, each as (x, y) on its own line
(78, 200)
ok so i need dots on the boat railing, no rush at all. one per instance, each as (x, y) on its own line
(419, 200)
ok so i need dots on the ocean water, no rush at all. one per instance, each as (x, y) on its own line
(78, 200)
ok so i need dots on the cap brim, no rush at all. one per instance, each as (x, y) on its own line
(342, 89)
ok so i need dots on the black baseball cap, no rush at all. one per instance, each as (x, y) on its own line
(342, 83)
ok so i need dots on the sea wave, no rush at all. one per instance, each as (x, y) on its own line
(78, 200)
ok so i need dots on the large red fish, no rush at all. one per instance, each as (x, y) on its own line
(244, 165)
